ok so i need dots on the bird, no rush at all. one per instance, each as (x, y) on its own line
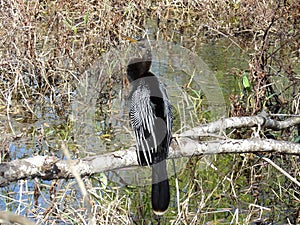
(151, 117)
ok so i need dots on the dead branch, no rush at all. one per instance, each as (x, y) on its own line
(238, 122)
(9, 217)
(49, 167)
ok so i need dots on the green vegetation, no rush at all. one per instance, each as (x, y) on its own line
(46, 48)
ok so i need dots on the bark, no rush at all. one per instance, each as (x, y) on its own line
(9, 217)
(49, 167)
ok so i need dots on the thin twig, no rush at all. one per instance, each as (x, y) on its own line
(282, 171)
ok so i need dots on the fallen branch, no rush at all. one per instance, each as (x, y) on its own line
(9, 217)
(239, 122)
(49, 167)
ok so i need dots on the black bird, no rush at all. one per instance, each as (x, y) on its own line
(151, 119)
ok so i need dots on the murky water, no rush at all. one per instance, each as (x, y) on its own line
(207, 74)
(185, 74)
(196, 83)
(224, 58)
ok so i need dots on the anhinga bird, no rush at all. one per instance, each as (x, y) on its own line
(151, 119)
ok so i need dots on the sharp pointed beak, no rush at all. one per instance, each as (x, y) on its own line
(130, 39)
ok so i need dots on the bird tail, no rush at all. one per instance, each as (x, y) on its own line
(160, 188)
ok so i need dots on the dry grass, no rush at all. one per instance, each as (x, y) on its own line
(45, 48)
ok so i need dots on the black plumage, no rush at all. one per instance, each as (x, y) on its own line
(151, 119)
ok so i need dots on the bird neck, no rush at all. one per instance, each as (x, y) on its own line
(138, 69)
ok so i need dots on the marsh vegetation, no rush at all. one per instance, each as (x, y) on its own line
(48, 47)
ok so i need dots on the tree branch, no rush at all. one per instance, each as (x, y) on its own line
(239, 122)
(49, 167)
(9, 217)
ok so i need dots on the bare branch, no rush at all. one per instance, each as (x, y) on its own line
(9, 217)
(238, 122)
(47, 167)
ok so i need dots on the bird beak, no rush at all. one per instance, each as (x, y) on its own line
(130, 39)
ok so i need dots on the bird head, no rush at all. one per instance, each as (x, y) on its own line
(140, 63)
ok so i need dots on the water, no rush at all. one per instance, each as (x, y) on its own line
(98, 127)
(181, 70)
(207, 73)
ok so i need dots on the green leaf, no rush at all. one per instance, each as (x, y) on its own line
(86, 17)
(246, 82)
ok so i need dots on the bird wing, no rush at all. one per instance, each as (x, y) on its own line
(167, 110)
(143, 122)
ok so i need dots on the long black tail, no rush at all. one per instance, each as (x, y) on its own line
(160, 188)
